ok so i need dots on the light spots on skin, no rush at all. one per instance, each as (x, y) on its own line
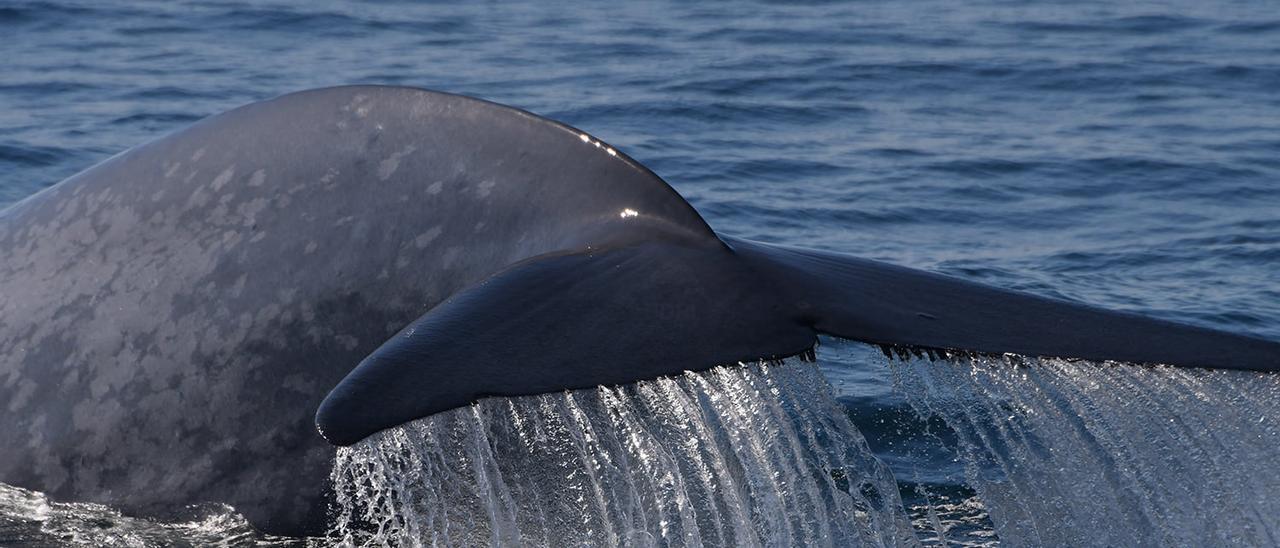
(329, 179)
(238, 287)
(199, 198)
(450, 256)
(258, 178)
(25, 388)
(311, 247)
(435, 187)
(347, 341)
(390, 164)
(299, 383)
(251, 209)
(80, 232)
(359, 106)
(264, 316)
(485, 188)
(423, 240)
(223, 178)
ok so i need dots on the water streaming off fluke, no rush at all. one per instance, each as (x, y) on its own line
(736, 456)
(1058, 453)
(1069, 453)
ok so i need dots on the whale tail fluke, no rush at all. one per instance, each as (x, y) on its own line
(607, 276)
(567, 321)
(649, 309)
(904, 308)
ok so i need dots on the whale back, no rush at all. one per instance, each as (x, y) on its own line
(171, 318)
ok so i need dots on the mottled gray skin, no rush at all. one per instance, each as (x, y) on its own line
(171, 318)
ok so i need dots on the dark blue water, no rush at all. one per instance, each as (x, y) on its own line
(1121, 154)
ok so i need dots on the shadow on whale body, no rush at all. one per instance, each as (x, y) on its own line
(172, 319)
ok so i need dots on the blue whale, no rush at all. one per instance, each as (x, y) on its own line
(177, 321)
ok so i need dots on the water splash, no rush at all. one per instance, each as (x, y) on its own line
(942, 520)
(750, 455)
(30, 520)
(1079, 453)
(1056, 453)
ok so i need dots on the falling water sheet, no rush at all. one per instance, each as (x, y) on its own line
(1053, 453)
(1079, 453)
(1057, 452)
(750, 455)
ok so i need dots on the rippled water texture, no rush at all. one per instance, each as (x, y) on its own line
(1122, 154)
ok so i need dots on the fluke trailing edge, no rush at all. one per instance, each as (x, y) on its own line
(172, 319)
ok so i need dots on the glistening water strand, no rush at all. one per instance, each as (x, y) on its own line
(749, 455)
(1057, 452)
(1080, 453)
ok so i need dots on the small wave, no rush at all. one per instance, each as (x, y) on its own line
(37, 11)
(899, 152)
(48, 87)
(290, 19)
(1254, 27)
(156, 119)
(171, 92)
(12, 15)
(750, 113)
(1137, 24)
(982, 167)
(32, 155)
(331, 23)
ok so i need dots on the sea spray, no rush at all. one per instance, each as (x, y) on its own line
(1081, 453)
(748, 455)
(29, 519)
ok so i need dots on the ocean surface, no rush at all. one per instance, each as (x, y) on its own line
(1125, 155)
